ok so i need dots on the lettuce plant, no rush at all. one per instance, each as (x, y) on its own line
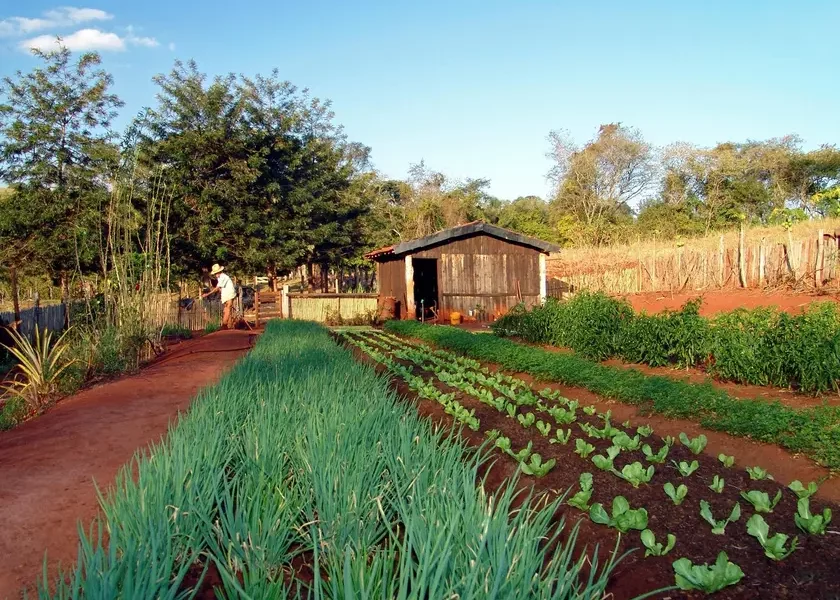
(511, 409)
(581, 499)
(562, 416)
(523, 454)
(696, 445)
(583, 448)
(813, 524)
(678, 494)
(757, 473)
(543, 427)
(655, 548)
(801, 491)
(526, 420)
(657, 458)
(726, 461)
(645, 430)
(623, 517)
(685, 468)
(636, 474)
(626, 424)
(536, 467)
(774, 547)
(605, 463)
(625, 442)
(589, 410)
(719, 527)
(761, 500)
(503, 443)
(561, 437)
(669, 440)
(705, 578)
(717, 484)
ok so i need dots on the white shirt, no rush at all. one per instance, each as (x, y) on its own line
(225, 284)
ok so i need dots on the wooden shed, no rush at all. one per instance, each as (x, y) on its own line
(476, 269)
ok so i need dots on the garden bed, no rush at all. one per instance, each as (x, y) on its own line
(807, 573)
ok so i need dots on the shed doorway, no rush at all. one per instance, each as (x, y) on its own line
(425, 287)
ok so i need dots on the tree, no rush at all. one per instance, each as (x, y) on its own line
(56, 152)
(598, 183)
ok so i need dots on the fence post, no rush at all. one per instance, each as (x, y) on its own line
(762, 264)
(285, 303)
(818, 270)
(742, 259)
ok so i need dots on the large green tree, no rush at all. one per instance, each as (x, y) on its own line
(57, 153)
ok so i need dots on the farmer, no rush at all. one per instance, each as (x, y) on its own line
(224, 284)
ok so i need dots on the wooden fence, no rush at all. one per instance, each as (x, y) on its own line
(320, 307)
(45, 317)
(807, 256)
(166, 310)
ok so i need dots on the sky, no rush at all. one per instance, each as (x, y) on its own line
(474, 88)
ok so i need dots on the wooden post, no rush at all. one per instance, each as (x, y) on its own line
(15, 292)
(543, 282)
(721, 253)
(762, 264)
(653, 268)
(409, 289)
(742, 259)
(818, 268)
(285, 303)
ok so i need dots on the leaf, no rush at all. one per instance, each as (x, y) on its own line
(801, 491)
(598, 515)
(705, 578)
(726, 461)
(677, 495)
(583, 448)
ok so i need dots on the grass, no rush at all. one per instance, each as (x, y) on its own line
(300, 450)
(814, 432)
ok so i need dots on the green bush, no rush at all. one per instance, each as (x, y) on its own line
(762, 346)
(212, 327)
(170, 330)
(812, 431)
(12, 412)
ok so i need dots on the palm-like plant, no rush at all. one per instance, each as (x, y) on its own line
(40, 363)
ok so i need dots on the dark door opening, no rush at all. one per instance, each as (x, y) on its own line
(425, 287)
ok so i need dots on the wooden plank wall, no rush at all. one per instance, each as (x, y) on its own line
(392, 282)
(484, 274)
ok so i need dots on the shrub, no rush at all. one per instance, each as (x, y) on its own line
(212, 327)
(40, 364)
(179, 331)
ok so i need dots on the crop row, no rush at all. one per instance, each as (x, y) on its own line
(811, 431)
(300, 474)
(521, 404)
(762, 346)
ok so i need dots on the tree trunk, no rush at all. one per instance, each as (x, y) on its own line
(15, 296)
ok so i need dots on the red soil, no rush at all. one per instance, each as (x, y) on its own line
(717, 301)
(48, 465)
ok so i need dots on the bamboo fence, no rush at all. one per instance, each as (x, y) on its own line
(805, 256)
(318, 307)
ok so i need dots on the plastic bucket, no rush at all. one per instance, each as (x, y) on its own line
(455, 318)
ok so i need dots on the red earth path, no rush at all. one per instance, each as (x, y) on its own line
(48, 465)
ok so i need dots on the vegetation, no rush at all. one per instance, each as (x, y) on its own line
(762, 346)
(40, 365)
(811, 431)
(281, 459)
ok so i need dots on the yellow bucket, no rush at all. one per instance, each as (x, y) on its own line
(455, 318)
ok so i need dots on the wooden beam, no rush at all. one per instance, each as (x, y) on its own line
(543, 283)
(409, 288)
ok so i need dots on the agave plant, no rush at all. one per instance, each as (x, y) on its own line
(40, 363)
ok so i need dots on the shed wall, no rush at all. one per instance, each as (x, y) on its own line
(392, 282)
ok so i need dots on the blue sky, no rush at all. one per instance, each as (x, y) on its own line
(474, 88)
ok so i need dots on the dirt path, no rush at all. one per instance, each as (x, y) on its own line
(716, 301)
(48, 466)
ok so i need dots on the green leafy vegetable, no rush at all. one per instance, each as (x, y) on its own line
(726, 461)
(511, 409)
(774, 547)
(696, 445)
(503, 443)
(543, 427)
(589, 410)
(527, 419)
(717, 484)
(625, 442)
(581, 499)
(685, 468)
(678, 494)
(719, 527)
(561, 437)
(757, 473)
(535, 466)
(761, 501)
(645, 430)
(801, 491)
(523, 454)
(636, 474)
(583, 448)
(654, 548)
(623, 517)
(626, 424)
(705, 578)
(605, 463)
(813, 524)
(659, 457)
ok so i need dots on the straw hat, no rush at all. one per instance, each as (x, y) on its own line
(216, 269)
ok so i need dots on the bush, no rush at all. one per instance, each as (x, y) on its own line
(762, 346)
(12, 412)
(212, 327)
(177, 331)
